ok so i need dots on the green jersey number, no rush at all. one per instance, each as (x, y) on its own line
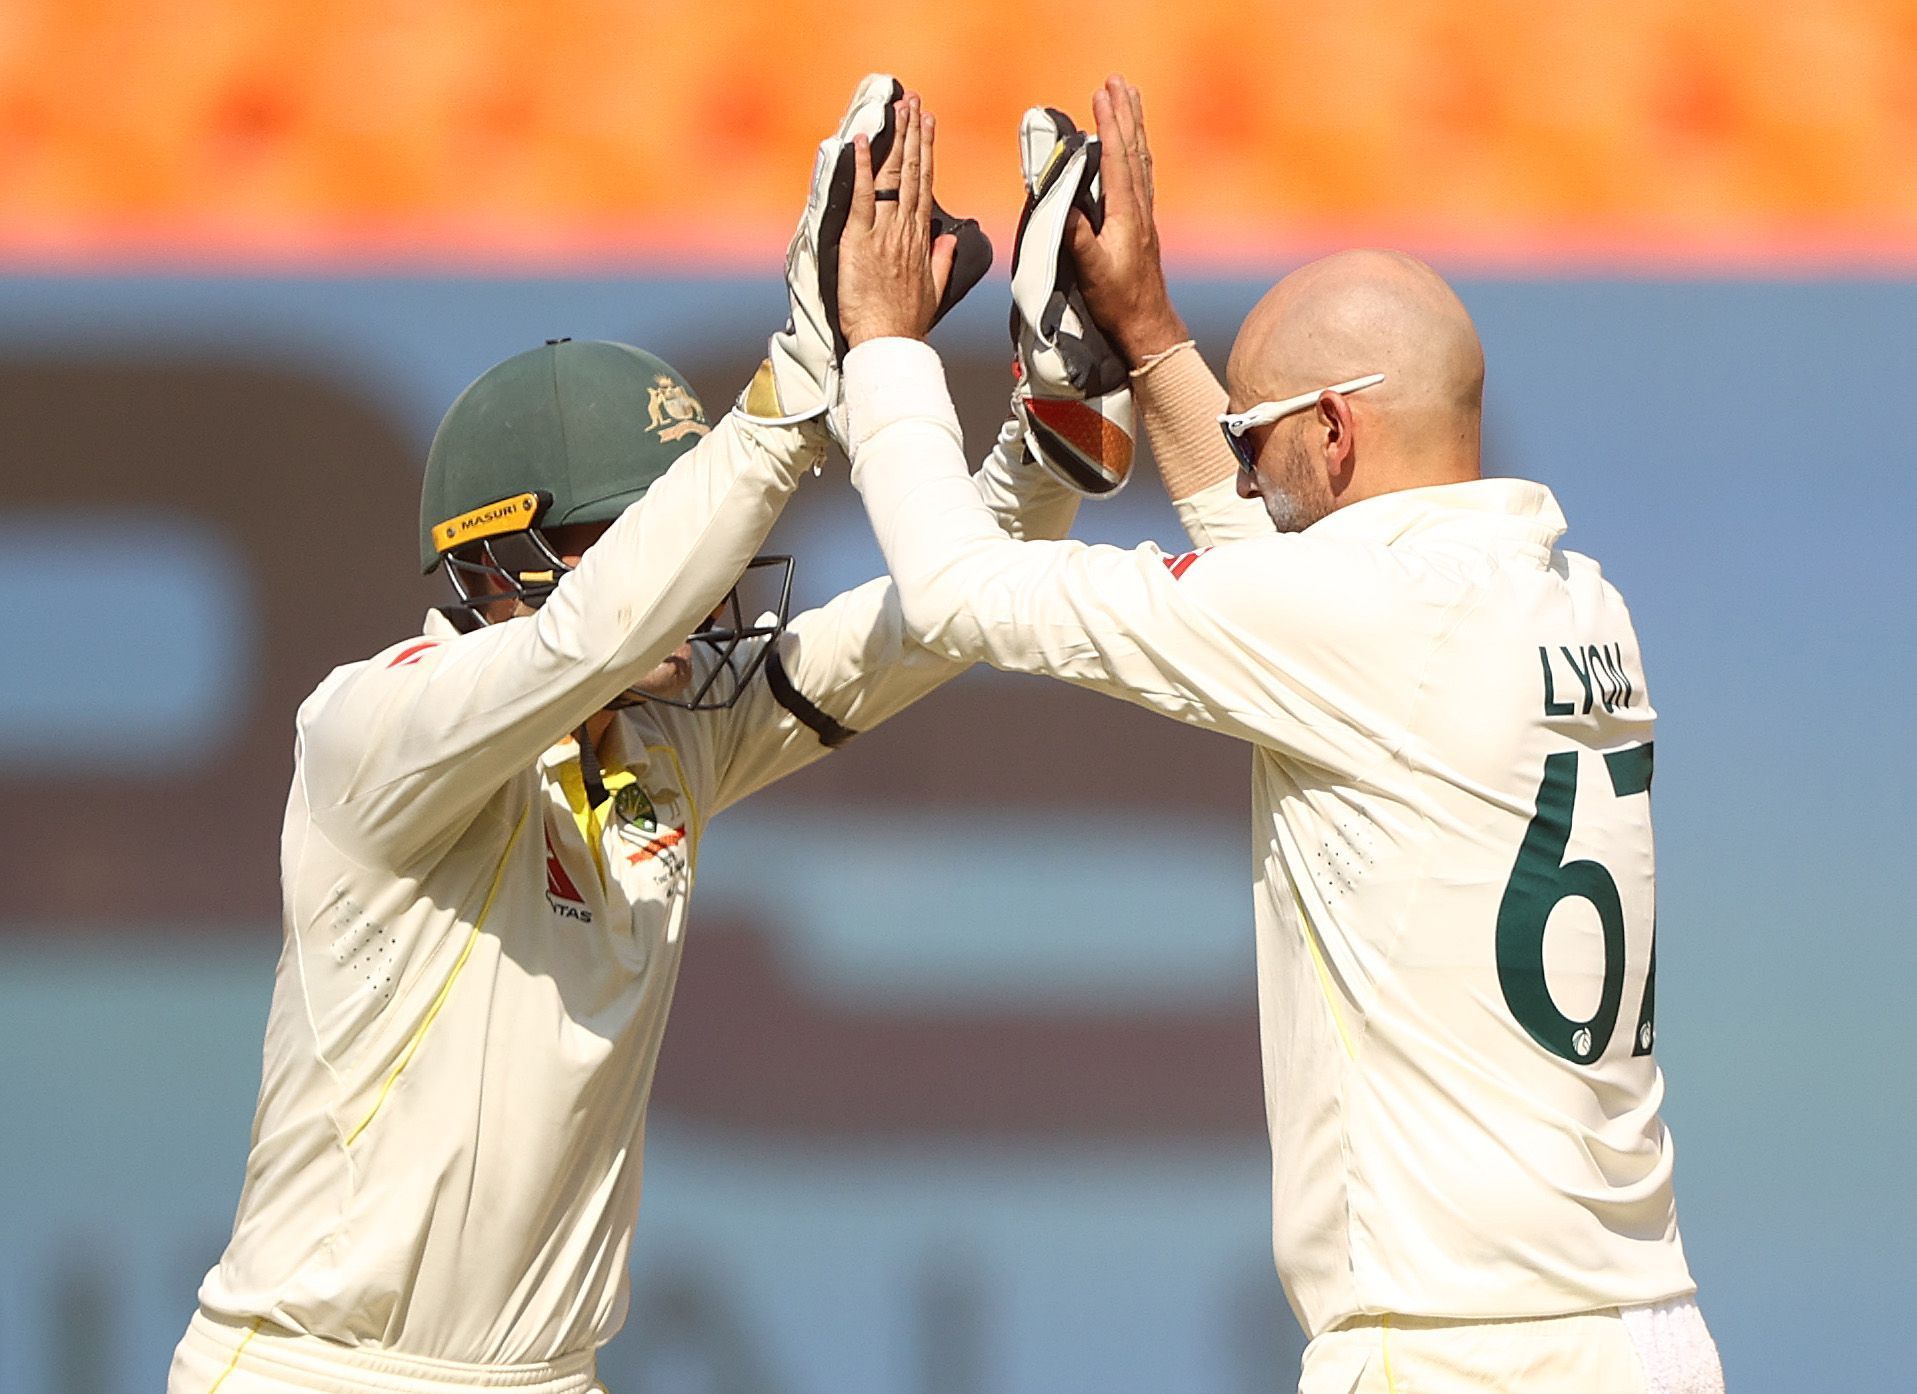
(1539, 881)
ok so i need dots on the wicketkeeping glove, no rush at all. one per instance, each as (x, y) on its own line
(800, 377)
(1072, 390)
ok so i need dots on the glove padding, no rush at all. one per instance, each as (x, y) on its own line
(800, 377)
(1072, 390)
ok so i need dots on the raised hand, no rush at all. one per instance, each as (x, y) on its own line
(800, 377)
(892, 271)
(1071, 388)
(1120, 273)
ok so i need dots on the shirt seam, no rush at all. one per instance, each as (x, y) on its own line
(1388, 973)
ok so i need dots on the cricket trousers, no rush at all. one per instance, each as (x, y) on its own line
(1658, 1349)
(219, 1355)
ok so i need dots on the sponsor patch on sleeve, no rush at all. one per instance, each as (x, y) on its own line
(1181, 563)
(412, 653)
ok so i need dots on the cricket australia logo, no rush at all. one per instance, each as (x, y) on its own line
(652, 826)
(633, 805)
(561, 893)
(675, 412)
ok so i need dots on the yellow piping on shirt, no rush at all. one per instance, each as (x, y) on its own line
(445, 988)
(1324, 975)
(1384, 1349)
(591, 821)
(573, 781)
(251, 1332)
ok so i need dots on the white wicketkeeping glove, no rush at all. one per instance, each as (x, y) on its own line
(1072, 391)
(800, 377)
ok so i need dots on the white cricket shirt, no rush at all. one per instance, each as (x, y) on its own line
(1454, 879)
(477, 967)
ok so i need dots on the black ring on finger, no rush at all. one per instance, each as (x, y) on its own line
(886, 195)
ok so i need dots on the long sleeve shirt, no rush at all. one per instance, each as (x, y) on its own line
(478, 961)
(1452, 863)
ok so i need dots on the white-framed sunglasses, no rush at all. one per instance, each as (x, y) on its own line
(1235, 424)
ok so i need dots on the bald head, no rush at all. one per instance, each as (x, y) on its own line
(1362, 312)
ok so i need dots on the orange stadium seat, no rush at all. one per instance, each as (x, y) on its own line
(551, 132)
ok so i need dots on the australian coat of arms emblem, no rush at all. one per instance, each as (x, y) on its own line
(675, 412)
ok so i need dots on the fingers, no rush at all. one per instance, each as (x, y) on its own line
(1115, 172)
(909, 148)
(888, 173)
(1144, 144)
(929, 137)
(892, 274)
(1128, 112)
(1122, 110)
(864, 210)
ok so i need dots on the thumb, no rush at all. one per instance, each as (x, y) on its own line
(944, 250)
(1080, 237)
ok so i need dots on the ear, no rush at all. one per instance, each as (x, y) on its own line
(1337, 443)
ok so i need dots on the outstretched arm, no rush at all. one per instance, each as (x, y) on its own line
(850, 664)
(1179, 401)
(1226, 641)
(1121, 274)
(408, 746)
(1198, 639)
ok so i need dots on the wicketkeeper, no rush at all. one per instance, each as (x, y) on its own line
(494, 828)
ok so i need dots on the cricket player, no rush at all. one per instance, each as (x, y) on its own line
(1451, 736)
(491, 838)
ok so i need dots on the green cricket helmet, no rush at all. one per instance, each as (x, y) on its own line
(570, 432)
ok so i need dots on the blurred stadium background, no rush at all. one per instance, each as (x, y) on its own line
(961, 1094)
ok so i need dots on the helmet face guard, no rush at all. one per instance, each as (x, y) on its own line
(725, 682)
(524, 568)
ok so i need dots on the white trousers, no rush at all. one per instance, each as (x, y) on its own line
(222, 1356)
(1659, 1349)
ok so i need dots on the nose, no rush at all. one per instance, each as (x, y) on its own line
(1247, 486)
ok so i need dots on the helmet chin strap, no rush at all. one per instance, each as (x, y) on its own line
(591, 774)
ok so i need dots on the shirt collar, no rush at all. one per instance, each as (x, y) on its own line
(1516, 508)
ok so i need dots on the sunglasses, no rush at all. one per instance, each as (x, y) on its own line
(1236, 424)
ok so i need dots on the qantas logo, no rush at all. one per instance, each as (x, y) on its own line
(1179, 565)
(561, 893)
